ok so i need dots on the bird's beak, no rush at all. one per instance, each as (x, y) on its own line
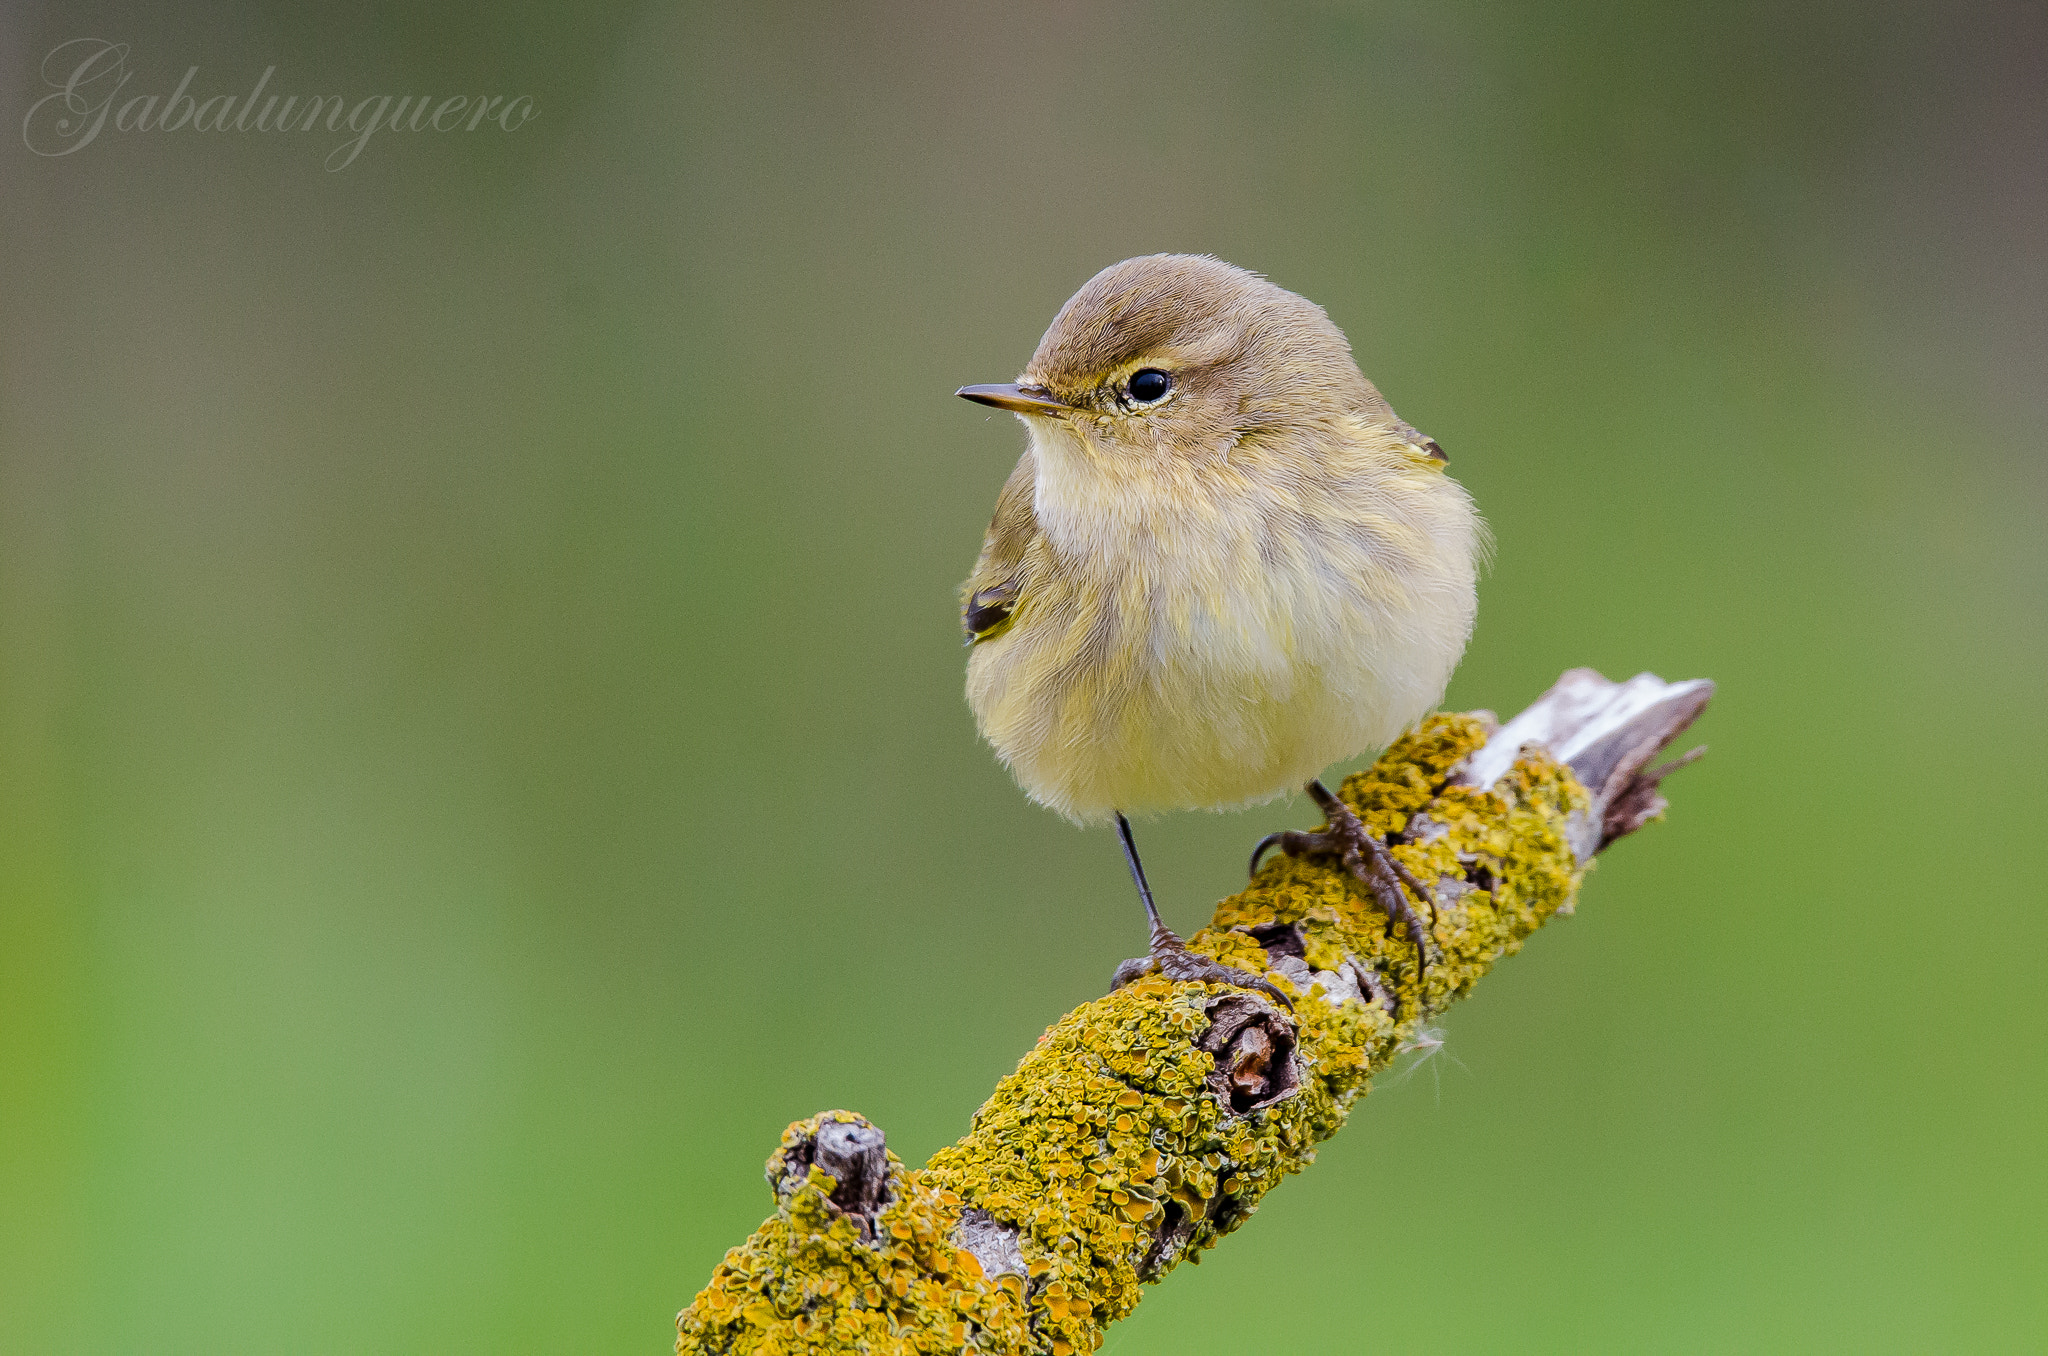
(1008, 395)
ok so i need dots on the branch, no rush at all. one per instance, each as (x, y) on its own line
(1147, 1124)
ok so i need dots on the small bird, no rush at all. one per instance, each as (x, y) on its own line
(1221, 565)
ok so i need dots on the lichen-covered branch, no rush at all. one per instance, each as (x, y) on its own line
(1147, 1124)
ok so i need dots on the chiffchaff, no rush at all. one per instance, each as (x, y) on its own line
(1221, 565)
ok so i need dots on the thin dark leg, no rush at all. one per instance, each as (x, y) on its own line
(1123, 833)
(1169, 955)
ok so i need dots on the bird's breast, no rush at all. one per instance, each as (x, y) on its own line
(1188, 642)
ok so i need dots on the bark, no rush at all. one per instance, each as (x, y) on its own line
(1146, 1125)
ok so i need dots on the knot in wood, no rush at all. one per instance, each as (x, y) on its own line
(1253, 1045)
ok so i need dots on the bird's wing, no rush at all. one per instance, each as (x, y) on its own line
(1414, 437)
(992, 594)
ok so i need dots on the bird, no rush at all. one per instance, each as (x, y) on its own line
(1221, 565)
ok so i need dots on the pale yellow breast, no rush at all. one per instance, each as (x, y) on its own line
(1217, 639)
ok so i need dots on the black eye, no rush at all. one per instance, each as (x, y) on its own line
(1148, 384)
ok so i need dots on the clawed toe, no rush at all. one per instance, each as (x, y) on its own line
(1136, 968)
(1366, 858)
(1171, 958)
(1170, 955)
(1261, 848)
(1186, 966)
(1295, 843)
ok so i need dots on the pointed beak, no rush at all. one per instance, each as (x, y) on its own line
(1008, 395)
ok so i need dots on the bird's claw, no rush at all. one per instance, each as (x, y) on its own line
(1367, 858)
(1171, 958)
(1269, 842)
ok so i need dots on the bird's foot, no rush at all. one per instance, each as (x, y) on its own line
(1170, 957)
(1366, 857)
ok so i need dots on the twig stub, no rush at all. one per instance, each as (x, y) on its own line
(849, 1149)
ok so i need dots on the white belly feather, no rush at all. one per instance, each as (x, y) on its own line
(1217, 650)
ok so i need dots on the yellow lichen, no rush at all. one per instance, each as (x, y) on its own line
(807, 1282)
(1107, 1151)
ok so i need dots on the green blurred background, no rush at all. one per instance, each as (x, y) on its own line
(481, 745)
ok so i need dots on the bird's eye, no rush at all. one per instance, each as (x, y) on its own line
(1148, 384)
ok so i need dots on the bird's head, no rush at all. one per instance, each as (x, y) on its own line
(1185, 357)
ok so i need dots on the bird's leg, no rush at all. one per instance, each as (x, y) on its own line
(1365, 857)
(1169, 954)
